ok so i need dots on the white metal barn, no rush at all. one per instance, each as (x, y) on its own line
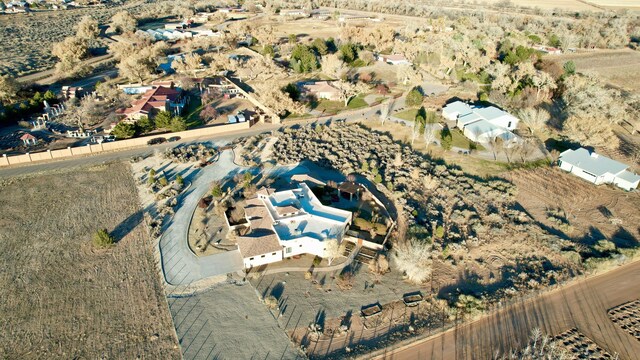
(598, 169)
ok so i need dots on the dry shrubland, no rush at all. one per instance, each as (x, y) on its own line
(61, 296)
(471, 236)
(26, 39)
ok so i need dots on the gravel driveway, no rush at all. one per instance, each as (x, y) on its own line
(180, 266)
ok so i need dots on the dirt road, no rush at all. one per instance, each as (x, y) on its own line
(582, 305)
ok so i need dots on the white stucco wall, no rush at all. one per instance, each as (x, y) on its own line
(263, 259)
(506, 121)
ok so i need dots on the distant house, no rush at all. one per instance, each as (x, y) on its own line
(548, 50)
(481, 124)
(294, 13)
(71, 92)
(598, 169)
(321, 90)
(155, 100)
(394, 59)
(29, 140)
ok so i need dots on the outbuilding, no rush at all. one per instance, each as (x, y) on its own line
(598, 169)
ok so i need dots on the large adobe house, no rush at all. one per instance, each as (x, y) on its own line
(288, 223)
(154, 100)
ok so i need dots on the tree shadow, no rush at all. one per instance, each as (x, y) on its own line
(127, 225)
(277, 291)
(320, 318)
(623, 238)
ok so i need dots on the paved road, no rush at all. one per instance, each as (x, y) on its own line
(582, 305)
(75, 162)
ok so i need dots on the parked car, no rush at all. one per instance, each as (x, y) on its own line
(155, 141)
(174, 138)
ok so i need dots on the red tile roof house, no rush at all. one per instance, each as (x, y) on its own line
(153, 101)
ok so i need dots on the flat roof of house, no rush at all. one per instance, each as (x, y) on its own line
(629, 176)
(484, 127)
(591, 162)
(291, 214)
(490, 112)
(459, 107)
(466, 119)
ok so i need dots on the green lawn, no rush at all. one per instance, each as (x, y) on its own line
(192, 112)
(409, 114)
(333, 107)
(459, 140)
(357, 102)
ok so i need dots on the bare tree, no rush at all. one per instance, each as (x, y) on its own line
(385, 110)
(333, 66)
(534, 118)
(189, 63)
(332, 250)
(429, 137)
(87, 28)
(349, 90)
(123, 22)
(413, 257)
(9, 88)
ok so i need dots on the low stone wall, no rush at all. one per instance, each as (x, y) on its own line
(117, 145)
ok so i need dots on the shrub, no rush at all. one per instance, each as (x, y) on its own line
(414, 98)
(316, 261)
(604, 246)
(216, 191)
(124, 130)
(152, 177)
(179, 179)
(102, 239)
(271, 302)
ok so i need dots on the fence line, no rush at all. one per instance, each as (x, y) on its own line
(89, 149)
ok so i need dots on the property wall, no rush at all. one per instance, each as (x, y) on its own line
(263, 259)
(119, 145)
(254, 101)
(364, 243)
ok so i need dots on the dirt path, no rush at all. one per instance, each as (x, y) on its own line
(582, 305)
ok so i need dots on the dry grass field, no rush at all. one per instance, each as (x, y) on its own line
(61, 298)
(572, 5)
(619, 67)
(577, 209)
(26, 39)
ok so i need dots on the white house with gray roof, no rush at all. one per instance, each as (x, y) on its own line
(598, 169)
(482, 124)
